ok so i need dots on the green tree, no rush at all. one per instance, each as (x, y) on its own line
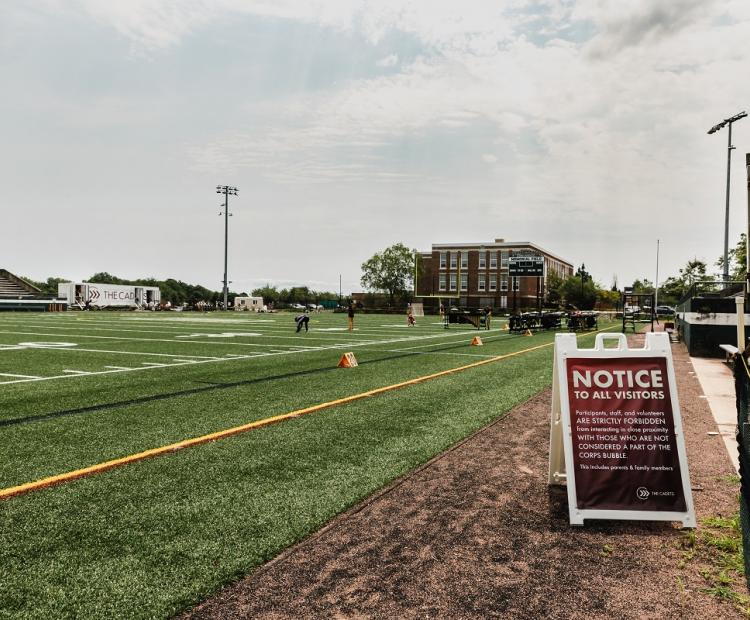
(270, 294)
(737, 257)
(580, 292)
(643, 286)
(49, 287)
(103, 277)
(554, 288)
(674, 288)
(607, 299)
(390, 271)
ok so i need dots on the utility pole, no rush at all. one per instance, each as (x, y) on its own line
(227, 191)
(714, 129)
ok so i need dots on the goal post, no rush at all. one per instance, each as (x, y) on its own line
(417, 309)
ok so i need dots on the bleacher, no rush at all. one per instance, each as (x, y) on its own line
(13, 287)
(17, 294)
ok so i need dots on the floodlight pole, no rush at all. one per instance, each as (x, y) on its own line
(726, 212)
(713, 129)
(227, 191)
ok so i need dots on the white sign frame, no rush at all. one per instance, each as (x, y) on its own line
(561, 467)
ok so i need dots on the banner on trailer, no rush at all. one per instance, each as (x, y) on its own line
(111, 295)
(616, 434)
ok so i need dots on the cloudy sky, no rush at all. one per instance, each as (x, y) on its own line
(349, 125)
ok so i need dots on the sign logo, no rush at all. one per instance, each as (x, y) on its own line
(642, 493)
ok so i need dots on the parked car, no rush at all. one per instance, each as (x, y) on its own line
(664, 311)
(297, 307)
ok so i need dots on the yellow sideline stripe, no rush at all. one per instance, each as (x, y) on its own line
(186, 443)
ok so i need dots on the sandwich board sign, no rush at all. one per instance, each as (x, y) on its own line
(616, 436)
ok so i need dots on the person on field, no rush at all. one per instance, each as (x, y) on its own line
(302, 319)
(350, 314)
(487, 316)
(410, 322)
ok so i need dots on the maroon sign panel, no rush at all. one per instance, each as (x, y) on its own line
(624, 448)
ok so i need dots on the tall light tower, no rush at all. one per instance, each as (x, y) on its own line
(714, 129)
(227, 191)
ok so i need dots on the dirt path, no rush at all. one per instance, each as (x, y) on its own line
(476, 533)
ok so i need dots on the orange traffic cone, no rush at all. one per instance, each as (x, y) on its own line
(528, 333)
(476, 341)
(347, 361)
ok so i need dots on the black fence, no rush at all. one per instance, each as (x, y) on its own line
(742, 390)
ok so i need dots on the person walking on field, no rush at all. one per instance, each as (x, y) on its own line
(410, 322)
(301, 319)
(350, 314)
(487, 317)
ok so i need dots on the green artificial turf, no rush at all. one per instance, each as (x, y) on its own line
(150, 538)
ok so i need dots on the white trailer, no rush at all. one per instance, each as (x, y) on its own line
(254, 304)
(81, 294)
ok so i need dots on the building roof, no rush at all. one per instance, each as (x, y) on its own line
(499, 243)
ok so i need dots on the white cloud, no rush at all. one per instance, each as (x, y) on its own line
(389, 61)
(591, 114)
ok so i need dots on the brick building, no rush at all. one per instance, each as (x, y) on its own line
(475, 275)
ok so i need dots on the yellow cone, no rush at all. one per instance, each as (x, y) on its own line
(528, 333)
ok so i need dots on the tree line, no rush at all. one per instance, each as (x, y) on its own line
(178, 292)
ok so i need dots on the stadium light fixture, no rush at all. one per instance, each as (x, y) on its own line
(228, 191)
(714, 129)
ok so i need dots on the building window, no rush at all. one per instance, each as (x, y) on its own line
(504, 259)
(442, 282)
(503, 301)
(481, 286)
(493, 260)
(493, 282)
(464, 281)
(453, 260)
(503, 283)
(483, 260)
(464, 260)
(453, 281)
(442, 260)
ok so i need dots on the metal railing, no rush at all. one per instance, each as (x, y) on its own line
(710, 289)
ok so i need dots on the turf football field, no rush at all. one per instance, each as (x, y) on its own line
(150, 537)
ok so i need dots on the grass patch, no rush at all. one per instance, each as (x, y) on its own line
(716, 549)
(149, 539)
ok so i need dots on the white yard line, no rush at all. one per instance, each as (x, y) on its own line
(7, 374)
(240, 333)
(183, 356)
(432, 352)
(203, 361)
(77, 372)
